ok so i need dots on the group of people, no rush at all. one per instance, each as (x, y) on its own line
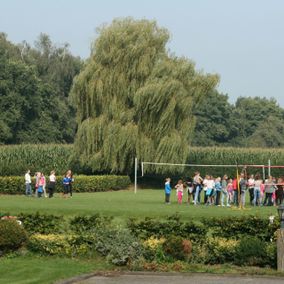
(40, 184)
(227, 191)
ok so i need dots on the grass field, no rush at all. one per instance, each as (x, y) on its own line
(121, 205)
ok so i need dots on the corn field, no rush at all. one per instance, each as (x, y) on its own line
(16, 159)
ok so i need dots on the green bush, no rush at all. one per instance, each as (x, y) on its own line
(89, 224)
(12, 236)
(42, 223)
(164, 228)
(251, 251)
(16, 184)
(242, 226)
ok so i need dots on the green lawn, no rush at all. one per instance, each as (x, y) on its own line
(33, 269)
(121, 205)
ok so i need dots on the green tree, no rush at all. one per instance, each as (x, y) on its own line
(134, 99)
(213, 120)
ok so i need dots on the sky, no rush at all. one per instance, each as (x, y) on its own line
(241, 40)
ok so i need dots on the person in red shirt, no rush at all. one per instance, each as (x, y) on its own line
(235, 192)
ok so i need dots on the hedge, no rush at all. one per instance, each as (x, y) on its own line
(16, 184)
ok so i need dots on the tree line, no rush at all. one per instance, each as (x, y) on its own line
(130, 80)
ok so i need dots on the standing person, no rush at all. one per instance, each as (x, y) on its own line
(251, 182)
(189, 188)
(197, 181)
(70, 175)
(37, 178)
(279, 192)
(51, 184)
(257, 187)
(28, 182)
(230, 191)
(218, 188)
(269, 190)
(66, 184)
(205, 187)
(43, 184)
(235, 192)
(168, 190)
(210, 190)
(225, 193)
(243, 189)
(179, 190)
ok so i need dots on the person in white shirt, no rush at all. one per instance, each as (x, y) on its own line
(28, 182)
(251, 183)
(51, 185)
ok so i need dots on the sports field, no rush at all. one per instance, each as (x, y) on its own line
(122, 205)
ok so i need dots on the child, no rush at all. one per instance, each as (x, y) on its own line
(210, 190)
(179, 189)
(41, 184)
(167, 190)
(230, 191)
(66, 185)
(189, 187)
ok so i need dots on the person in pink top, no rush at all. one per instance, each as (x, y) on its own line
(179, 189)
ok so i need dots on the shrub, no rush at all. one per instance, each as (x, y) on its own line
(177, 247)
(42, 223)
(242, 226)
(150, 227)
(58, 244)
(119, 246)
(83, 224)
(15, 184)
(251, 251)
(12, 235)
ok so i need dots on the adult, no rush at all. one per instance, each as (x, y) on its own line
(279, 192)
(51, 184)
(225, 193)
(218, 188)
(235, 192)
(243, 189)
(257, 186)
(197, 181)
(251, 182)
(71, 180)
(28, 182)
(269, 190)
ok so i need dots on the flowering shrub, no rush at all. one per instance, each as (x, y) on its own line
(55, 244)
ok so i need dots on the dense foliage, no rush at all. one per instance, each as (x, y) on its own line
(12, 235)
(134, 99)
(34, 88)
(16, 184)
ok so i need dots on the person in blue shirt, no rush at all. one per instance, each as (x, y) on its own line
(167, 190)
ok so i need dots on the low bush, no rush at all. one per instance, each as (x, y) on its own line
(88, 224)
(60, 244)
(119, 246)
(242, 226)
(177, 248)
(42, 223)
(251, 251)
(12, 236)
(16, 184)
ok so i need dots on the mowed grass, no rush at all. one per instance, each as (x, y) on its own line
(122, 205)
(33, 269)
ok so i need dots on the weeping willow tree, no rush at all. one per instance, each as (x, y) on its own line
(134, 99)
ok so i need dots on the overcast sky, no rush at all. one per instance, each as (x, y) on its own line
(241, 40)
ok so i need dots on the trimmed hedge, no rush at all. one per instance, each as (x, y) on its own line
(16, 184)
